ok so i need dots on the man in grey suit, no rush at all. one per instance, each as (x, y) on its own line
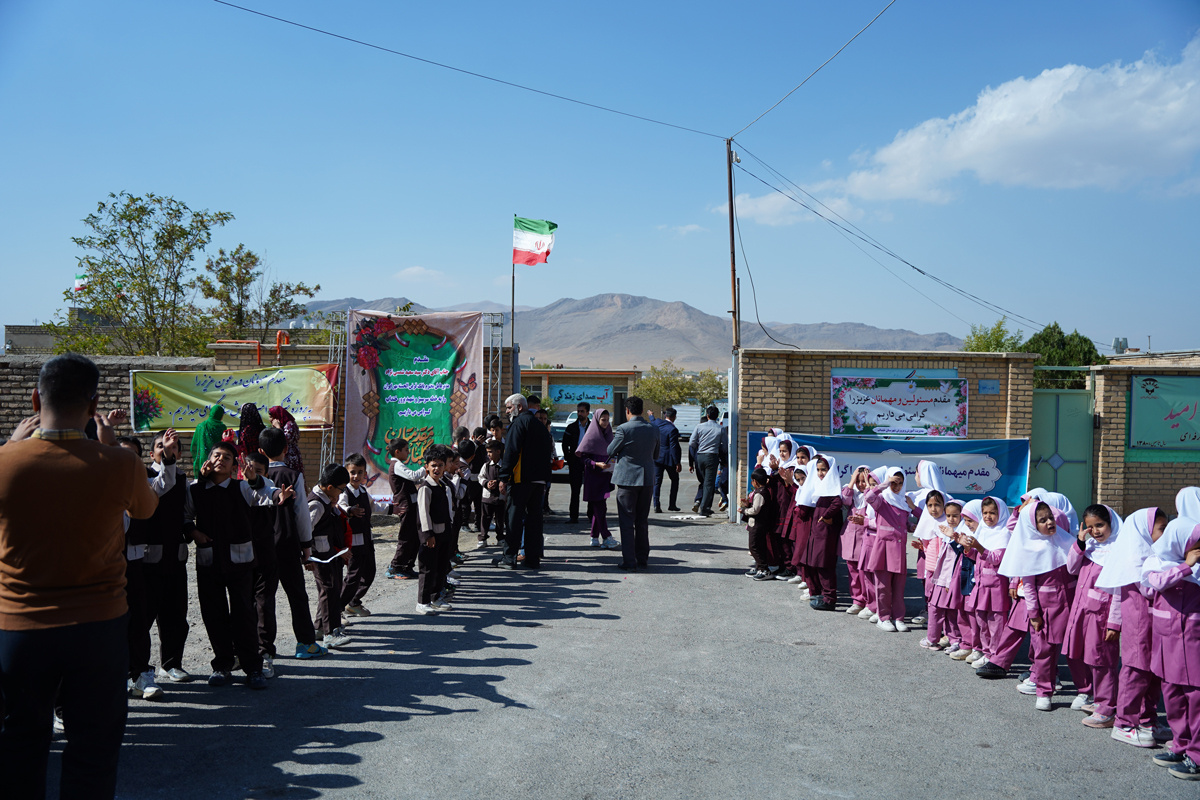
(634, 448)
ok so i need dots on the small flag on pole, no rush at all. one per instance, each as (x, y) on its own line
(80, 282)
(532, 240)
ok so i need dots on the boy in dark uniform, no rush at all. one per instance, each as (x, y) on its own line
(358, 505)
(331, 538)
(404, 497)
(165, 565)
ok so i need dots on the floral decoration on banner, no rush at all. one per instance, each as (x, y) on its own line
(369, 339)
(147, 406)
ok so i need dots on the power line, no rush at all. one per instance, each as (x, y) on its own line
(469, 72)
(746, 264)
(818, 69)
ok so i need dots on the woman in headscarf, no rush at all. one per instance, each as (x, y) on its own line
(282, 418)
(249, 429)
(597, 477)
(1138, 688)
(207, 434)
(821, 551)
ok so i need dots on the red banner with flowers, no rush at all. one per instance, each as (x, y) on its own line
(411, 377)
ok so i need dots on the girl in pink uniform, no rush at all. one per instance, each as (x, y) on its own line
(932, 536)
(1094, 624)
(1138, 688)
(854, 499)
(1037, 555)
(989, 601)
(887, 559)
(1171, 572)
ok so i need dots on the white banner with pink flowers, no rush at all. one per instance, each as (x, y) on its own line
(898, 407)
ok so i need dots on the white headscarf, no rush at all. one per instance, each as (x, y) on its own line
(1030, 553)
(930, 478)
(894, 499)
(804, 493)
(993, 537)
(1187, 502)
(1129, 553)
(1102, 552)
(860, 498)
(812, 451)
(1171, 548)
(780, 439)
(1060, 501)
(929, 526)
(829, 486)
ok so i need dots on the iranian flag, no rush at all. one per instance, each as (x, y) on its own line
(532, 240)
(80, 282)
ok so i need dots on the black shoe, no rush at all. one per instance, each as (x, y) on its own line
(763, 575)
(658, 510)
(574, 520)
(643, 565)
(1186, 769)
(625, 567)
(991, 671)
(674, 508)
(219, 678)
(820, 604)
(256, 680)
(1166, 758)
(504, 563)
(784, 575)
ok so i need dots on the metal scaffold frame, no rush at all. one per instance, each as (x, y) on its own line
(493, 396)
(335, 355)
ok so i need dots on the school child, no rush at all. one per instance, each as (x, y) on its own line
(761, 514)
(928, 478)
(1037, 556)
(404, 497)
(293, 546)
(332, 540)
(988, 601)
(456, 476)
(475, 488)
(1171, 573)
(358, 506)
(1187, 502)
(854, 499)
(887, 560)
(165, 566)
(944, 600)
(801, 524)
(435, 512)
(821, 552)
(781, 490)
(266, 562)
(794, 523)
(970, 641)
(493, 495)
(1094, 624)
(1138, 688)
(216, 517)
(141, 683)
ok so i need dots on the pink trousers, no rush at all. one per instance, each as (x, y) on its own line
(990, 625)
(1137, 698)
(889, 587)
(1183, 715)
(1100, 683)
(858, 582)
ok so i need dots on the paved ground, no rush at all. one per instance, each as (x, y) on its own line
(584, 682)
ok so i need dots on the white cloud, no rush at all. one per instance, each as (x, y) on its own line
(682, 230)
(419, 275)
(1112, 127)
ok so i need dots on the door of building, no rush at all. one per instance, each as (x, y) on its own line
(1060, 447)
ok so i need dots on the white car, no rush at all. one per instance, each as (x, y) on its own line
(557, 429)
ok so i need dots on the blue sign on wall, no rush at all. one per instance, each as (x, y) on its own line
(565, 394)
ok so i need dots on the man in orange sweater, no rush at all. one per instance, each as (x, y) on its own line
(63, 615)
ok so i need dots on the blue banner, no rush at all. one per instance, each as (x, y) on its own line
(566, 394)
(971, 468)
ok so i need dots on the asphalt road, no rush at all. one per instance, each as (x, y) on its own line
(687, 681)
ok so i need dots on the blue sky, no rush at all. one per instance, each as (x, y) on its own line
(1043, 155)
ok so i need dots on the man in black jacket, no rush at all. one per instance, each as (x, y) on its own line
(669, 461)
(525, 474)
(570, 442)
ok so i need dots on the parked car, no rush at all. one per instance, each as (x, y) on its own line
(557, 429)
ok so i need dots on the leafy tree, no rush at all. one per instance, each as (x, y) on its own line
(996, 339)
(275, 302)
(245, 295)
(707, 387)
(1058, 349)
(663, 385)
(137, 291)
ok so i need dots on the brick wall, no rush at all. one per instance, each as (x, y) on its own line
(789, 389)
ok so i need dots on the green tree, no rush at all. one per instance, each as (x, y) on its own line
(138, 293)
(245, 295)
(276, 301)
(1058, 349)
(663, 385)
(996, 339)
(707, 387)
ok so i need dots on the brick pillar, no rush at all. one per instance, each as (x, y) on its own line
(1108, 478)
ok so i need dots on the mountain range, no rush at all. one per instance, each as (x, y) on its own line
(622, 331)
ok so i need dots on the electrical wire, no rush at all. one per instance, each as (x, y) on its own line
(746, 265)
(469, 72)
(818, 69)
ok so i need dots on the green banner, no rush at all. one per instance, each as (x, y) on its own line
(1163, 412)
(181, 400)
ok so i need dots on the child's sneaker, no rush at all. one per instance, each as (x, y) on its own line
(219, 678)
(750, 573)
(595, 541)
(886, 625)
(176, 675)
(928, 645)
(313, 650)
(358, 611)
(1027, 686)
(960, 654)
(1080, 702)
(145, 687)
(980, 662)
(1095, 720)
(256, 680)
(1043, 704)
(1161, 733)
(763, 575)
(1186, 769)
(426, 609)
(854, 609)
(1134, 736)
(796, 579)
(973, 656)
(337, 638)
(441, 605)
(1167, 758)
(867, 613)
(901, 626)
(268, 669)
(610, 543)
(452, 581)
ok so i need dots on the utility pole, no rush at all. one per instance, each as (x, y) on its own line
(730, 157)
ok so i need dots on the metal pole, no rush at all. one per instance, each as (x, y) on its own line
(732, 258)
(512, 314)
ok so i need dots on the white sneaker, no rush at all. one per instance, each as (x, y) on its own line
(974, 656)
(426, 609)
(918, 620)
(796, 579)
(441, 605)
(453, 581)
(58, 724)
(886, 625)
(1027, 686)
(610, 543)
(175, 675)
(952, 649)
(1138, 737)
(337, 638)
(960, 654)
(145, 687)
(874, 618)
(268, 666)
(802, 585)
(358, 611)
(854, 609)
(980, 662)
(804, 594)
(866, 613)
(1080, 701)
(900, 626)
(595, 541)
(1043, 704)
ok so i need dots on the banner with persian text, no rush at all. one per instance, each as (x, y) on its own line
(971, 469)
(411, 377)
(1163, 412)
(868, 406)
(181, 399)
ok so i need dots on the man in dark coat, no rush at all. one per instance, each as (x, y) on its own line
(570, 442)
(669, 461)
(525, 474)
(634, 448)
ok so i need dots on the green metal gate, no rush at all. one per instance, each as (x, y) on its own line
(1060, 447)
